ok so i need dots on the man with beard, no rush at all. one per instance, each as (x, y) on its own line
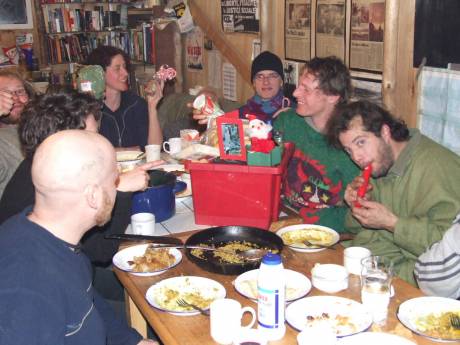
(13, 97)
(317, 173)
(415, 192)
(46, 294)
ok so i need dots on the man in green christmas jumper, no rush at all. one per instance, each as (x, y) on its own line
(317, 173)
(415, 192)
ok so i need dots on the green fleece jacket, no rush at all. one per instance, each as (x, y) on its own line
(317, 174)
(423, 190)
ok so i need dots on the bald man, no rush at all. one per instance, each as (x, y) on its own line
(46, 295)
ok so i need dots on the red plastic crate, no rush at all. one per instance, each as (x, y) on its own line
(227, 194)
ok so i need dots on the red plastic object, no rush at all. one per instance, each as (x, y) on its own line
(227, 194)
(367, 172)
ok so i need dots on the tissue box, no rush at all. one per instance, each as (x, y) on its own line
(264, 159)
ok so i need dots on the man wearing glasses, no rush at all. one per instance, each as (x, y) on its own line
(317, 173)
(13, 98)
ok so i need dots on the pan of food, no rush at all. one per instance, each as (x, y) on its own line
(230, 239)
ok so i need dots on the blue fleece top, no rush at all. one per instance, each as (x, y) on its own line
(46, 294)
(129, 124)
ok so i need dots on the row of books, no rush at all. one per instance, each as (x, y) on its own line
(62, 19)
(80, 1)
(138, 44)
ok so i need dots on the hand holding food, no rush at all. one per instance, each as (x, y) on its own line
(362, 190)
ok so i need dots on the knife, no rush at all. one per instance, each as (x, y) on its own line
(154, 239)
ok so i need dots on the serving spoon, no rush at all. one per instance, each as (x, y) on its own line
(253, 254)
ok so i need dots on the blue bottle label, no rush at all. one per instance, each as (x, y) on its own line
(268, 308)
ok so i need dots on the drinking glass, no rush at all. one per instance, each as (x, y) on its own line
(376, 276)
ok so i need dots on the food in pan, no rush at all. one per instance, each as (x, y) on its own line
(228, 252)
(438, 325)
(312, 235)
(154, 259)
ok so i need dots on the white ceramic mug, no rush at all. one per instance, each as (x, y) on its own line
(143, 224)
(226, 315)
(352, 258)
(153, 152)
(174, 146)
(253, 336)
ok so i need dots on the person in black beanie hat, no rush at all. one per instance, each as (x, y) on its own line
(267, 79)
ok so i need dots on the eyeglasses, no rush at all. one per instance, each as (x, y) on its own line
(17, 93)
(269, 77)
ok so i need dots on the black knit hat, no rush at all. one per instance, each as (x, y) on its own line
(267, 61)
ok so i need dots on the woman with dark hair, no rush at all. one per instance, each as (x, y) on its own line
(127, 119)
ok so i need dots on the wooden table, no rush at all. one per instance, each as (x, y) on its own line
(191, 330)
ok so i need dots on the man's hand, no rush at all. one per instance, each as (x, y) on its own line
(138, 178)
(6, 103)
(374, 215)
(148, 342)
(351, 192)
(197, 114)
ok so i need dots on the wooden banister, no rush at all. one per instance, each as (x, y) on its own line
(225, 47)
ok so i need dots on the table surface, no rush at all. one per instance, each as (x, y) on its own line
(191, 330)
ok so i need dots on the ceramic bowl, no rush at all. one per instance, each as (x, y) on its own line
(329, 278)
(128, 160)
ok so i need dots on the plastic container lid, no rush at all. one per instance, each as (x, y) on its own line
(271, 259)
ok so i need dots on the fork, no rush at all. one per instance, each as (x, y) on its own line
(183, 303)
(309, 244)
(455, 321)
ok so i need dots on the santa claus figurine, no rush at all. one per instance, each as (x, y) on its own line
(260, 135)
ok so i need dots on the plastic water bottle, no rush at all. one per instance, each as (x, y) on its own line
(271, 297)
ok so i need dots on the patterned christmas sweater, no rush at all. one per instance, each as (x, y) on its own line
(317, 174)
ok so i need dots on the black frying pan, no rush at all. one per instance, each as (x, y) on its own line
(221, 235)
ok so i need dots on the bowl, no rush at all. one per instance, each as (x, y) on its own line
(329, 278)
(128, 160)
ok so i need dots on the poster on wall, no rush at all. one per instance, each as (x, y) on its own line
(15, 14)
(330, 28)
(297, 30)
(367, 27)
(240, 15)
(194, 50)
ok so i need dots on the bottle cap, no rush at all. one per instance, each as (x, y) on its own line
(271, 259)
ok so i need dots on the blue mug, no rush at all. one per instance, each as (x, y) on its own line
(160, 197)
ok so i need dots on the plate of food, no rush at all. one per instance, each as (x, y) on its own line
(145, 260)
(343, 315)
(199, 291)
(294, 237)
(375, 338)
(181, 174)
(297, 284)
(431, 317)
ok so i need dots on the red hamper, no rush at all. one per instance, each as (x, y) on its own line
(226, 194)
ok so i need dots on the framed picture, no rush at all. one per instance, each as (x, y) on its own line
(15, 14)
(231, 138)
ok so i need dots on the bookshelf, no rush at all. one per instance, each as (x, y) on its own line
(74, 28)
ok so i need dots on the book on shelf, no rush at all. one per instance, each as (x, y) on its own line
(64, 19)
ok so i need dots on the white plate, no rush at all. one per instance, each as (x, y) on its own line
(120, 259)
(206, 288)
(185, 177)
(316, 306)
(297, 285)
(375, 338)
(410, 310)
(302, 248)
